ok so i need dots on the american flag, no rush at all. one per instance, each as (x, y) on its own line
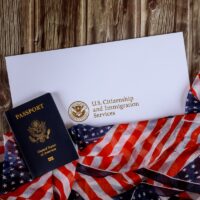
(155, 159)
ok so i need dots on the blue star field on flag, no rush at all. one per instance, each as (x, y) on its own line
(192, 104)
(82, 135)
(15, 172)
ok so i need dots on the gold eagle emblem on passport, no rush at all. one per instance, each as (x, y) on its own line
(78, 111)
(38, 131)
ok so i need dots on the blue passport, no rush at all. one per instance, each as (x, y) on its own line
(41, 135)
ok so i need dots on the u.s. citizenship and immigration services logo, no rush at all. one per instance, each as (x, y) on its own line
(78, 111)
(38, 131)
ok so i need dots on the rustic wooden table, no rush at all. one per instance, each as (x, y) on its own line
(39, 25)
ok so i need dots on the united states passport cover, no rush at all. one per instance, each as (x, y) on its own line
(41, 135)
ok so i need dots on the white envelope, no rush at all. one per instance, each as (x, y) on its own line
(114, 82)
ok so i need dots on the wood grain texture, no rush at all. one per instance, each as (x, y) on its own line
(194, 49)
(15, 38)
(39, 25)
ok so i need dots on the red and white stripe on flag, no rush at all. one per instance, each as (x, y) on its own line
(165, 145)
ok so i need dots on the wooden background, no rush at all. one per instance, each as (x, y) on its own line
(39, 25)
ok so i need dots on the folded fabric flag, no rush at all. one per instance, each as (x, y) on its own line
(156, 159)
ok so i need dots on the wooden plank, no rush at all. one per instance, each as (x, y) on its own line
(166, 16)
(195, 38)
(33, 25)
(59, 24)
(112, 20)
(15, 37)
